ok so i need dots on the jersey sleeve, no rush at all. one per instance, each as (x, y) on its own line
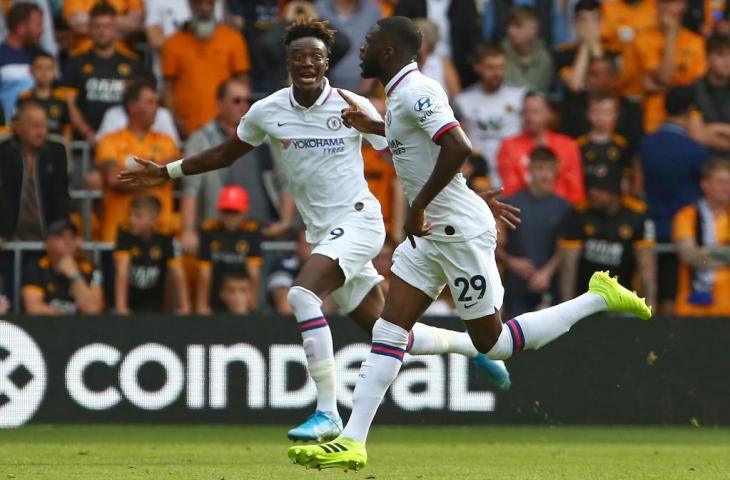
(378, 143)
(684, 225)
(32, 276)
(250, 128)
(254, 251)
(429, 107)
(572, 231)
(124, 241)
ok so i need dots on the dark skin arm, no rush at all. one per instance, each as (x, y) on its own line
(221, 156)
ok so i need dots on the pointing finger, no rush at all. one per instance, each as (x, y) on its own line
(349, 100)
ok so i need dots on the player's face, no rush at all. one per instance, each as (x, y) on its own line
(491, 71)
(43, 70)
(141, 221)
(307, 62)
(719, 63)
(370, 54)
(31, 127)
(602, 115)
(102, 30)
(717, 187)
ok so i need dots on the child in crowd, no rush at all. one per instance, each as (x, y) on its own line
(53, 99)
(143, 260)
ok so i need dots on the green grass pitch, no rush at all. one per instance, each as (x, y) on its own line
(463, 453)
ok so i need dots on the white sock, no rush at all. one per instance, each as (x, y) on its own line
(427, 340)
(377, 372)
(532, 330)
(317, 341)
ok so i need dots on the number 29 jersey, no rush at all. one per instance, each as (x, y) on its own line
(418, 114)
(321, 157)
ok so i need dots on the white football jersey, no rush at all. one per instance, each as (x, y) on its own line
(418, 114)
(488, 118)
(321, 157)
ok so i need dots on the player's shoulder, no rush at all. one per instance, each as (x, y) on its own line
(582, 141)
(279, 98)
(619, 140)
(634, 205)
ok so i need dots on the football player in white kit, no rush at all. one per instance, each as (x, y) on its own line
(450, 243)
(324, 166)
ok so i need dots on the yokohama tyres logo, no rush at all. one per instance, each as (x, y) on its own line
(22, 376)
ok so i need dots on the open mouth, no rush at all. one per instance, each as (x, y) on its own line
(307, 76)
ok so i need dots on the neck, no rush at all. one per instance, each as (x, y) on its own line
(392, 71)
(14, 41)
(524, 50)
(42, 92)
(104, 52)
(717, 80)
(538, 191)
(679, 121)
(717, 207)
(29, 152)
(539, 138)
(146, 235)
(306, 98)
(488, 89)
(140, 131)
(599, 136)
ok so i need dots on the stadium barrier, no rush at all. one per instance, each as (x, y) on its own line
(166, 369)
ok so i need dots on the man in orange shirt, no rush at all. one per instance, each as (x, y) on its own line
(701, 233)
(116, 150)
(513, 156)
(623, 20)
(195, 60)
(666, 55)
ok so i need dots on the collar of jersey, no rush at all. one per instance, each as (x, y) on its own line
(326, 92)
(398, 77)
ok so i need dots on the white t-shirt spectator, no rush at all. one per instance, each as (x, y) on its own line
(115, 118)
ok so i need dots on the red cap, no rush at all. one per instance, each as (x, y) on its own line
(233, 198)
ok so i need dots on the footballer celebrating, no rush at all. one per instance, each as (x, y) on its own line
(452, 239)
(324, 166)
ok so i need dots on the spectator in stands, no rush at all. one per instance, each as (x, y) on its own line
(195, 60)
(601, 81)
(116, 118)
(572, 59)
(490, 110)
(602, 149)
(143, 259)
(650, 61)
(51, 98)
(48, 42)
(607, 233)
(79, 16)
(59, 283)
(513, 154)
(116, 150)
(671, 162)
(433, 65)
(383, 183)
(556, 19)
(97, 73)
(701, 232)
(229, 244)
(458, 27)
(33, 176)
(25, 27)
(623, 20)
(355, 18)
(235, 294)
(529, 64)
(201, 192)
(712, 94)
(529, 253)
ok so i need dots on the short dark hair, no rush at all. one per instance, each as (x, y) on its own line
(486, 50)
(404, 32)
(307, 27)
(222, 89)
(146, 202)
(519, 15)
(586, 6)
(101, 9)
(713, 165)
(680, 100)
(134, 89)
(234, 274)
(20, 13)
(42, 54)
(610, 60)
(601, 97)
(718, 42)
(543, 154)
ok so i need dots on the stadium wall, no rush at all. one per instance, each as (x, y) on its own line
(168, 369)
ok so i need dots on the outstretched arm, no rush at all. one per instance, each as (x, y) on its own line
(354, 117)
(152, 174)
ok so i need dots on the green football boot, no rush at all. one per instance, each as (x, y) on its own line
(341, 452)
(617, 297)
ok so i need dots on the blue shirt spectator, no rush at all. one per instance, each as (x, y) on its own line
(556, 20)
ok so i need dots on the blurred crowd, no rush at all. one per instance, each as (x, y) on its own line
(606, 122)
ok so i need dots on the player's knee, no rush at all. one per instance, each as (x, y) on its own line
(302, 299)
(390, 334)
(484, 345)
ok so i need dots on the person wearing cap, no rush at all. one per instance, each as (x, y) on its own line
(611, 233)
(59, 283)
(143, 261)
(671, 162)
(230, 244)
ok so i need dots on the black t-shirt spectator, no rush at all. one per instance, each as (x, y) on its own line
(55, 286)
(228, 253)
(148, 264)
(56, 109)
(99, 82)
(574, 118)
(608, 242)
(713, 102)
(611, 158)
